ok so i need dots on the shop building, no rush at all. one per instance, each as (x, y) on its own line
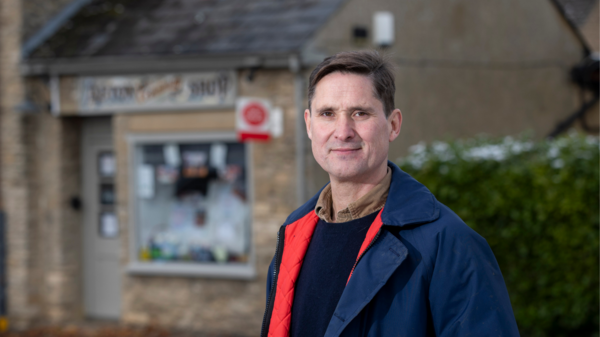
(127, 191)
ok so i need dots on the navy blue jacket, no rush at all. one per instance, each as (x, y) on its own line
(426, 273)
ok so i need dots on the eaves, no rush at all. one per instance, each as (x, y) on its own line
(157, 64)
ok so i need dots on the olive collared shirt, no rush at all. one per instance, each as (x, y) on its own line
(369, 203)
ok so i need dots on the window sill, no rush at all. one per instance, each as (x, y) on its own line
(222, 271)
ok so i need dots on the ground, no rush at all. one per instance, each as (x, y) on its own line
(106, 330)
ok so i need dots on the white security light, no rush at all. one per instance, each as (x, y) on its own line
(383, 29)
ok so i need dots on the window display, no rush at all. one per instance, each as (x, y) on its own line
(192, 204)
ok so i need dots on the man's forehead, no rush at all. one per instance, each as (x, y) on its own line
(339, 77)
(340, 87)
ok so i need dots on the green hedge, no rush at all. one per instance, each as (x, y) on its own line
(536, 204)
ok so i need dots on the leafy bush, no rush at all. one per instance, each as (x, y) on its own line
(537, 206)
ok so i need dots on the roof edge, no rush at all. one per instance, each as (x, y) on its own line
(155, 64)
(586, 48)
(52, 26)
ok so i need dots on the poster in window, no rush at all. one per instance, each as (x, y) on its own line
(109, 225)
(106, 164)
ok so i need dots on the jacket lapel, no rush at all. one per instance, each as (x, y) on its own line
(371, 273)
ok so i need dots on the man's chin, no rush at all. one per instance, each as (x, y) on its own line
(344, 174)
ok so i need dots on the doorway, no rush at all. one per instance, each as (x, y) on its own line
(101, 230)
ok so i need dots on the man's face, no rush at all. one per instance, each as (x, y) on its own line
(347, 126)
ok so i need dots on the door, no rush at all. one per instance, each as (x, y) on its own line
(101, 230)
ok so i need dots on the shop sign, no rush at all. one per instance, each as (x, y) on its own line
(253, 119)
(156, 92)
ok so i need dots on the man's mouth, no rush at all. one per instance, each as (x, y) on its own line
(345, 150)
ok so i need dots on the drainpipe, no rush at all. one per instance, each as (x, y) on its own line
(296, 68)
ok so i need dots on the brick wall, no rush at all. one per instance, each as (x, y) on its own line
(39, 161)
(56, 234)
(44, 238)
(14, 169)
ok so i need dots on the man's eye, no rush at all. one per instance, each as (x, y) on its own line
(360, 113)
(327, 113)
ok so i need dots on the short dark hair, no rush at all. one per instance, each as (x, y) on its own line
(364, 62)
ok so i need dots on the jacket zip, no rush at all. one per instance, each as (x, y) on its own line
(269, 309)
(366, 250)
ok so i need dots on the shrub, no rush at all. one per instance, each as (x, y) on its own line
(537, 206)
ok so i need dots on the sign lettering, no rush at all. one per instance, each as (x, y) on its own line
(155, 92)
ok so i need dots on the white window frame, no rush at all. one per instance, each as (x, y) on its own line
(210, 270)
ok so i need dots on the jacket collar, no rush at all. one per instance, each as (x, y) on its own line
(408, 203)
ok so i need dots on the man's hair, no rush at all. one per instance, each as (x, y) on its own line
(365, 62)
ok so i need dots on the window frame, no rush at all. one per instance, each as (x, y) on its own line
(245, 271)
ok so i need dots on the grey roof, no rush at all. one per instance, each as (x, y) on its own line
(577, 11)
(186, 27)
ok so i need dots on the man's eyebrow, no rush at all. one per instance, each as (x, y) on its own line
(361, 108)
(325, 108)
(353, 108)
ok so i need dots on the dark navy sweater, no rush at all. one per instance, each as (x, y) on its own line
(329, 259)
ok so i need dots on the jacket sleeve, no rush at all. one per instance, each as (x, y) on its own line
(270, 279)
(467, 293)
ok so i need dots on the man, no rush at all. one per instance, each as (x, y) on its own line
(374, 253)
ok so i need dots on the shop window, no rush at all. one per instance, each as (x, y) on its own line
(192, 210)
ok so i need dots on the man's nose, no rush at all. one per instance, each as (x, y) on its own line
(344, 128)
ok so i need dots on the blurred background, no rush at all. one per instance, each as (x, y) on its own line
(150, 150)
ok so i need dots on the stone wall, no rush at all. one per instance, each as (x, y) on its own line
(216, 305)
(14, 200)
(58, 224)
(39, 159)
(52, 244)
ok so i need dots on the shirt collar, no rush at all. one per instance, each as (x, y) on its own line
(367, 204)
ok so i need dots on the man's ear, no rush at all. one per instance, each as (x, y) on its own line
(307, 122)
(394, 124)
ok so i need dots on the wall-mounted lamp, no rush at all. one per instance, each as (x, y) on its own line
(383, 29)
(251, 74)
